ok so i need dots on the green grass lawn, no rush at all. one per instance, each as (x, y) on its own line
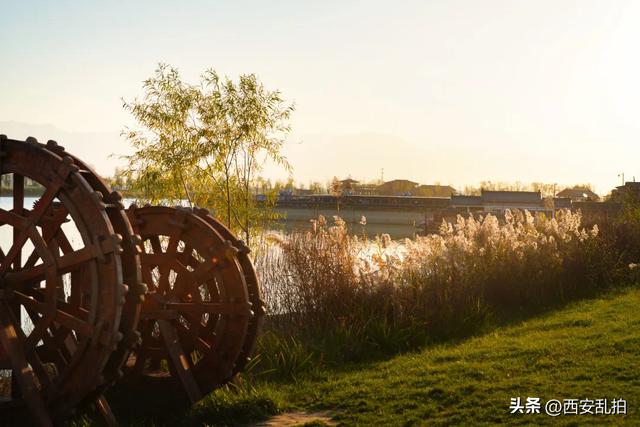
(588, 350)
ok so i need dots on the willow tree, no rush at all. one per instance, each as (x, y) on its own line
(243, 125)
(164, 161)
(206, 143)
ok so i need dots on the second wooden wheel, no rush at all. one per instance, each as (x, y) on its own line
(197, 311)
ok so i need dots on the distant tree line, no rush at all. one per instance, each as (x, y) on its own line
(546, 189)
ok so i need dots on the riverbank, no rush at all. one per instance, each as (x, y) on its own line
(586, 350)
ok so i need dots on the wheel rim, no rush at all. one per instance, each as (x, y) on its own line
(130, 259)
(253, 288)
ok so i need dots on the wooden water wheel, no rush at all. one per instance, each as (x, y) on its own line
(61, 282)
(197, 311)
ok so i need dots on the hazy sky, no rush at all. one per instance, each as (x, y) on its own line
(449, 91)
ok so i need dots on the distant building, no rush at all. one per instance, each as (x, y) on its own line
(366, 190)
(435, 191)
(627, 192)
(499, 201)
(302, 191)
(468, 203)
(561, 202)
(579, 194)
(398, 187)
(348, 184)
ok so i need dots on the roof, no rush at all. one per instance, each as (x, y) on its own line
(434, 186)
(349, 181)
(435, 190)
(578, 193)
(466, 200)
(511, 196)
(404, 181)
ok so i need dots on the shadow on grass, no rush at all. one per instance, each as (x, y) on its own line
(160, 402)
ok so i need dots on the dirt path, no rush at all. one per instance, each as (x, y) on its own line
(297, 418)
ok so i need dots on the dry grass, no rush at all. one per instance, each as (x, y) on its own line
(335, 297)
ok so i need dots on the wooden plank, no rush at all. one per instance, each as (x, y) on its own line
(179, 360)
(103, 408)
(18, 207)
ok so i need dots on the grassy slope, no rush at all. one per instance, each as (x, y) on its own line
(589, 350)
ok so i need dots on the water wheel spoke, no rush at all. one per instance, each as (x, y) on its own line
(179, 267)
(50, 230)
(14, 220)
(180, 271)
(186, 256)
(155, 244)
(43, 204)
(194, 309)
(37, 333)
(163, 280)
(22, 372)
(69, 320)
(189, 282)
(151, 260)
(32, 259)
(61, 337)
(197, 342)
(33, 357)
(27, 224)
(67, 263)
(50, 352)
(180, 360)
(16, 249)
(63, 243)
(75, 310)
(70, 347)
(174, 241)
(187, 334)
(163, 261)
(73, 261)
